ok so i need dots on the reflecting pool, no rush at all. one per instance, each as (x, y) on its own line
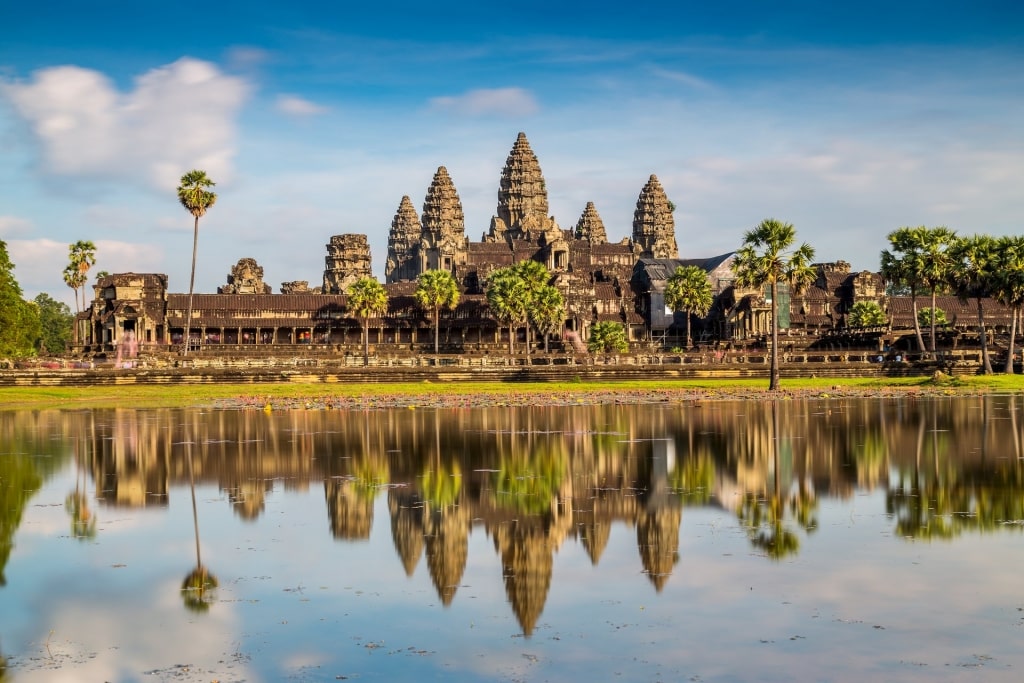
(829, 539)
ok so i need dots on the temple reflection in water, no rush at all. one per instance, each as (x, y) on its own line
(531, 478)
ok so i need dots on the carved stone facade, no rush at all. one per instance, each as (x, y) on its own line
(347, 260)
(654, 229)
(403, 243)
(296, 287)
(590, 227)
(443, 241)
(246, 277)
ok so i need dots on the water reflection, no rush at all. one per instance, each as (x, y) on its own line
(532, 478)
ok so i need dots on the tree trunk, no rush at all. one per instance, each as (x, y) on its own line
(191, 286)
(917, 323)
(437, 330)
(687, 347)
(773, 382)
(366, 343)
(1008, 369)
(511, 334)
(986, 364)
(933, 322)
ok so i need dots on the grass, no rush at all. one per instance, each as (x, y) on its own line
(197, 395)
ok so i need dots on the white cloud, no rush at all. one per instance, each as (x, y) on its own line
(297, 106)
(177, 117)
(682, 77)
(11, 226)
(501, 101)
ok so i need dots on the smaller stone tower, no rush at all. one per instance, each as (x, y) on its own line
(654, 229)
(348, 259)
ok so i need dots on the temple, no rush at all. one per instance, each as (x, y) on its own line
(599, 280)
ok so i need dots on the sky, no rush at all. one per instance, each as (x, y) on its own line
(847, 120)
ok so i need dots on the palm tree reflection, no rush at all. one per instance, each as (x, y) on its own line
(765, 517)
(198, 590)
(83, 521)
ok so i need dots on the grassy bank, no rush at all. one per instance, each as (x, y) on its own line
(348, 395)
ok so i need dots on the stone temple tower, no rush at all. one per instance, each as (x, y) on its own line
(522, 197)
(443, 243)
(404, 244)
(654, 229)
(590, 227)
(348, 259)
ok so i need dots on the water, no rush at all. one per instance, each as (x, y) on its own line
(830, 539)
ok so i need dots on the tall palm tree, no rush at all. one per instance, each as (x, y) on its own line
(902, 268)
(1010, 284)
(81, 257)
(972, 275)
(366, 298)
(688, 291)
(197, 200)
(436, 289)
(765, 259)
(935, 264)
(547, 312)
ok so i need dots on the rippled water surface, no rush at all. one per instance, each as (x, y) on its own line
(830, 539)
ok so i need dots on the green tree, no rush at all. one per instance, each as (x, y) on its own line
(607, 336)
(55, 322)
(902, 267)
(81, 257)
(365, 299)
(936, 265)
(866, 314)
(932, 317)
(436, 289)
(19, 319)
(1009, 284)
(547, 312)
(688, 291)
(197, 200)
(972, 275)
(507, 298)
(766, 259)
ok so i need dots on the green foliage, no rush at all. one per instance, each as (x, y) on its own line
(366, 298)
(55, 321)
(919, 259)
(436, 289)
(194, 195)
(688, 291)
(867, 314)
(925, 318)
(81, 257)
(607, 337)
(521, 294)
(19, 319)
(766, 259)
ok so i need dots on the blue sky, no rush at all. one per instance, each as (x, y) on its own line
(847, 121)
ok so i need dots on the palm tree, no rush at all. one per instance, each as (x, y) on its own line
(1009, 283)
(193, 195)
(903, 267)
(536, 278)
(507, 299)
(366, 298)
(81, 257)
(935, 264)
(436, 289)
(766, 259)
(547, 312)
(688, 291)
